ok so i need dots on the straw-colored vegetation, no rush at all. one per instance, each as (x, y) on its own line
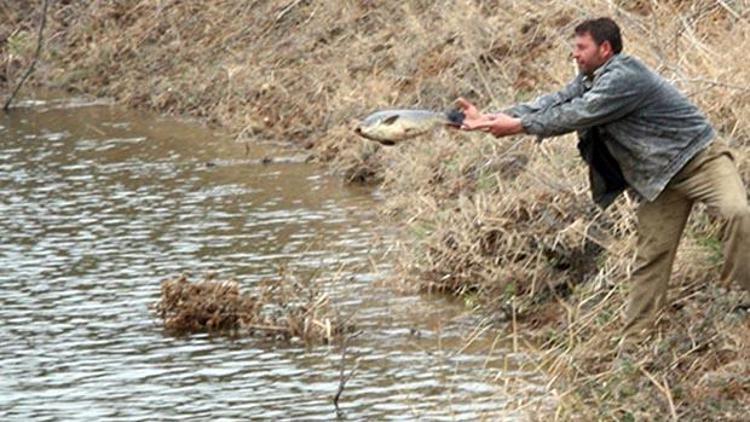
(283, 309)
(508, 224)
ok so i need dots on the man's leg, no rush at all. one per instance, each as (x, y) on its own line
(717, 183)
(660, 225)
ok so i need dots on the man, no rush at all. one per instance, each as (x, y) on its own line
(638, 131)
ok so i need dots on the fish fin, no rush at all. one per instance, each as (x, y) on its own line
(390, 120)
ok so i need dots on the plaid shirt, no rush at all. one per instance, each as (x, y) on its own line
(649, 127)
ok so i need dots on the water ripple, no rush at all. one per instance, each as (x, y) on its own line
(99, 205)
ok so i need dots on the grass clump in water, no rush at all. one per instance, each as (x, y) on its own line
(284, 308)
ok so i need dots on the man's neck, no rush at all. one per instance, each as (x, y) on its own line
(594, 73)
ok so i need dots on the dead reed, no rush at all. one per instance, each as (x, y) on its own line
(285, 308)
(509, 225)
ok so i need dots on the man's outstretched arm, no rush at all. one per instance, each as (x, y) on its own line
(498, 125)
(613, 96)
(574, 88)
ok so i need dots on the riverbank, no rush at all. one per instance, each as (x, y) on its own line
(506, 225)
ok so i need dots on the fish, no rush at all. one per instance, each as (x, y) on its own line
(389, 127)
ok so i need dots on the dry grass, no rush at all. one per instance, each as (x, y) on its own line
(507, 224)
(510, 225)
(16, 41)
(281, 309)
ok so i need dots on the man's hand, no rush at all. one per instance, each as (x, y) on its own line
(470, 111)
(473, 119)
(497, 124)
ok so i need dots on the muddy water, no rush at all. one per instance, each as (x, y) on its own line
(100, 204)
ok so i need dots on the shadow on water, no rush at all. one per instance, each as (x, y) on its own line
(99, 204)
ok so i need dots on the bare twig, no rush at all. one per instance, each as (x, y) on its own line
(710, 82)
(343, 379)
(664, 388)
(36, 57)
(730, 10)
(288, 8)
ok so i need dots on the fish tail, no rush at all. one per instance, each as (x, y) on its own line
(454, 117)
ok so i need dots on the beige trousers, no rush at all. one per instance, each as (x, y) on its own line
(710, 177)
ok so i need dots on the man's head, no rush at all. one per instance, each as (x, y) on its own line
(596, 40)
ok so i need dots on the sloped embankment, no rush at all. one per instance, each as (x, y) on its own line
(505, 224)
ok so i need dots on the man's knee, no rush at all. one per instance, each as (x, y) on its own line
(652, 258)
(655, 243)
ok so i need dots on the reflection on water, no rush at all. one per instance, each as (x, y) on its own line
(99, 204)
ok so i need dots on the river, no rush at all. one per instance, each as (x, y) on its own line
(99, 204)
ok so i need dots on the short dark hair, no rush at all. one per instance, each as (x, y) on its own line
(602, 29)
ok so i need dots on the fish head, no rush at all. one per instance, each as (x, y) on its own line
(385, 127)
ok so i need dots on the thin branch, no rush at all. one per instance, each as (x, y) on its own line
(730, 10)
(664, 390)
(342, 377)
(715, 83)
(36, 57)
(288, 8)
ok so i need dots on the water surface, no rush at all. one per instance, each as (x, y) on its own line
(100, 204)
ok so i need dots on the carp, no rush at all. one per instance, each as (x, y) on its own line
(390, 127)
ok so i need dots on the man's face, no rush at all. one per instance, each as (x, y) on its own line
(588, 55)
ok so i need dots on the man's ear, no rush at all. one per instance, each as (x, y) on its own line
(606, 48)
